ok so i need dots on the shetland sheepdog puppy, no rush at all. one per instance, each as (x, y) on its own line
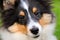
(27, 20)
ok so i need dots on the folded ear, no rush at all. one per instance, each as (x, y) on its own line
(46, 4)
(7, 4)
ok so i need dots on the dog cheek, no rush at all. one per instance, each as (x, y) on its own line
(18, 28)
(45, 19)
(22, 29)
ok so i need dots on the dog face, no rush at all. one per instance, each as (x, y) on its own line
(28, 13)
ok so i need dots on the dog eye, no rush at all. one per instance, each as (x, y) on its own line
(21, 13)
(22, 17)
(37, 14)
(34, 9)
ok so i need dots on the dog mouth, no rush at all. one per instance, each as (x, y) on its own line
(36, 36)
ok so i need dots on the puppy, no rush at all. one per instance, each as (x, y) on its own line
(27, 20)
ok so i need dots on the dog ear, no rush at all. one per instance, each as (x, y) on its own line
(7, 4)
(10, 4)
(46, 4)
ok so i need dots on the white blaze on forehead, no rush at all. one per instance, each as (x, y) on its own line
(24, 4)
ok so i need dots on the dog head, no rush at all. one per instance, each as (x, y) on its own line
(27, 13)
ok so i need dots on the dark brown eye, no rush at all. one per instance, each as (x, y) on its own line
(36, 12)
(22, 17)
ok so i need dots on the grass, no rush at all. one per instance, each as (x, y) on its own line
(56, 10)
(0, 20)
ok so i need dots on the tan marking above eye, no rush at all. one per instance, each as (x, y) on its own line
(34, 9)
(22, 13)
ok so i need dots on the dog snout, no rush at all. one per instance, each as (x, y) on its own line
(34, 31)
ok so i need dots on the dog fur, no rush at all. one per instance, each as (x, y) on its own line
(10, 19)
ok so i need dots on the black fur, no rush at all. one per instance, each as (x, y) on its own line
(1, 5)
(10, 16)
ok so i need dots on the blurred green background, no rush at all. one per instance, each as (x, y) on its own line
(56, 10)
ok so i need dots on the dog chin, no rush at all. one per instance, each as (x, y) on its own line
(33, 36)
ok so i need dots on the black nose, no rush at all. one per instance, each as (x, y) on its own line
(34, 31)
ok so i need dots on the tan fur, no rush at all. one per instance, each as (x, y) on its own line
(34, 9)
(45, 19)
(12, 1)
(18, 28)
(22, 13)
(8, 4)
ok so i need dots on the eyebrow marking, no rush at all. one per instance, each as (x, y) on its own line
(34, 9)
(25, 5)
(22, 13)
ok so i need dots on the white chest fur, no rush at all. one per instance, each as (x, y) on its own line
(5, 35)
(47, 34)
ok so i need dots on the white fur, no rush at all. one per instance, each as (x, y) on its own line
(32, 23)
(47, 34)
(5, 35)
